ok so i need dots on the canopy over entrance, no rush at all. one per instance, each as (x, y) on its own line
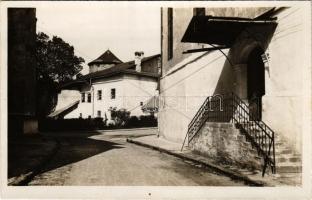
(221, 30)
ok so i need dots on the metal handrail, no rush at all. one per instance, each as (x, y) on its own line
(257, 122)
(266, 132)
(199, 111)
(260, 134)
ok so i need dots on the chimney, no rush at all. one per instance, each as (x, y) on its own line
(137, 60)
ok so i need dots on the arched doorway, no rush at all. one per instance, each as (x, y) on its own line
(255, 82)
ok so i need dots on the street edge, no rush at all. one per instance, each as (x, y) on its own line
(233, 175)
(127, 129)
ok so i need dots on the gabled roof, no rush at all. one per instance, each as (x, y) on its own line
(106, 58)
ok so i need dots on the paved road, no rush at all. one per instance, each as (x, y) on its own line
(106, 159)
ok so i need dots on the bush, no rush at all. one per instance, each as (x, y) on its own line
(78, 124)
(133, 122)
(148, 120)
(142, 121)
(71, 124)
(120, 116)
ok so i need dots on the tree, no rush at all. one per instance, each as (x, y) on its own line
(56, 63)
(56, 59)
(120, 116)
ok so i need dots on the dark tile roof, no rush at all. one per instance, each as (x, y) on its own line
(121, 68)
(106, 58)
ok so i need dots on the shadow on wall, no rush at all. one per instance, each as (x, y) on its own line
(226, 80)
(232, 78)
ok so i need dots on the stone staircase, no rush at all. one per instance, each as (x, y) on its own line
(226, 144)
(287, 160)
(247, 142)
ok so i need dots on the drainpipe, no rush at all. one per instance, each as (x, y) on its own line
(92, 94)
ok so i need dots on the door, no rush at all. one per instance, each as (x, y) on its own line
(255, 83)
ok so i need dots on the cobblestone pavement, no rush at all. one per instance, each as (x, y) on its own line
(105, 158)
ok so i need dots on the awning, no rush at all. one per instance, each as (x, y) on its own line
(151, 105)
(220, 30)
(59, 114)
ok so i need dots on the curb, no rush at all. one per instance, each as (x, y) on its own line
(23, 180)
(127, 129)
(233, 175)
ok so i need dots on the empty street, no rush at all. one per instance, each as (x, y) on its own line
(104, 158)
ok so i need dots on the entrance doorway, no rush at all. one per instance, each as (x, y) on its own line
(255, 83)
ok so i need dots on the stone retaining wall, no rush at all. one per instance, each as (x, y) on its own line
(225, 144)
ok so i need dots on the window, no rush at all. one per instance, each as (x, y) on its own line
(89, 97)
(99, 95)
(80, 115)
(83, 97)
(170, 34)
(199, 11)
(141, 103)
(98, 113)
(113, 93)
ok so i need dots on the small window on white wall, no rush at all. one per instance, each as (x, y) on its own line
(99, 95)
(83, 97)
(141, 103)
(89, 97)
(99, 113)
(113, 93)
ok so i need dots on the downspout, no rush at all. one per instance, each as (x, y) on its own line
(92, 93)
(161, 68)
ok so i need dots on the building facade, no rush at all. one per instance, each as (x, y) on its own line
(118, 86)
(255, 53)
(22, 71)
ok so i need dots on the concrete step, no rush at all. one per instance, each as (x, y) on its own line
(284, 151)
(288, 169)
(288, 157)
(288, 160)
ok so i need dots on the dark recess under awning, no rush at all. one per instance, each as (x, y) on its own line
(220, 30)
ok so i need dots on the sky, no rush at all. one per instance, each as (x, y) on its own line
(94, 28)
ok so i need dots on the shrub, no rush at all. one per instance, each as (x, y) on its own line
(142, 121)
(148, 120)
(133, 122)
(120, 116)
(49, 124)
(71, 124)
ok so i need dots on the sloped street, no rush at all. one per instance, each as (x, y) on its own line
(104, 158)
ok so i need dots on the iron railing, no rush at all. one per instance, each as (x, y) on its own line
(230, 108)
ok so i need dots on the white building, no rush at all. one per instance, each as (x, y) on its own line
(110, 84)
(252, 52)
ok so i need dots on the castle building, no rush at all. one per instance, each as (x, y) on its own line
(110, 84)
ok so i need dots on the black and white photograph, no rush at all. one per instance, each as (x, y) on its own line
(132, 100)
